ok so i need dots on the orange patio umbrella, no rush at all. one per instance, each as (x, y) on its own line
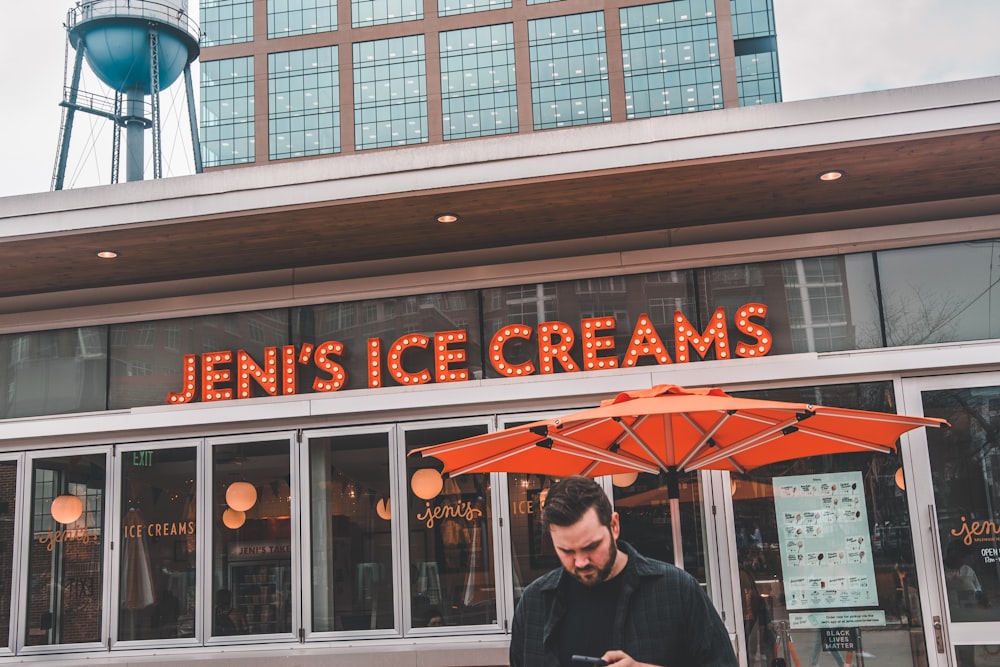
(670, 429)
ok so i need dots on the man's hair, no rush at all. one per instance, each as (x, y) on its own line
(568, 500)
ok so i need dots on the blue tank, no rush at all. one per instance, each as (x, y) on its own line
(115, 38)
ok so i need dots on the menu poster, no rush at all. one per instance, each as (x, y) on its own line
(824, 541)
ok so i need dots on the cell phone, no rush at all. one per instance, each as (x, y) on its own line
(588, 660)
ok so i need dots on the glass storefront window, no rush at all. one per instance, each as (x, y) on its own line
(8, 506)
(941, 293)
(966, 463)
(158, 553)
(351, 520)
(533, 554)
(66, 550)
(252, 530)
(450, 534)
(784, 576)
(53, 372)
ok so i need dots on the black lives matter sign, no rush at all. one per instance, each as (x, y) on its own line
(840, 639)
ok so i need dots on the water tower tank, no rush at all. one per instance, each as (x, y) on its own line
(115, 38)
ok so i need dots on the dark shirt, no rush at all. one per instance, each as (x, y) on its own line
(590, 615)
(663, 617)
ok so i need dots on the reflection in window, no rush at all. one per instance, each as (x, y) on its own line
(941, 293)
(8, 506)
(351, 519)
(532, 552)
(452, 578)
(52, 372)
(966, 463)
(66, 549)
(758, 537)
(158, 518)
(252, 547)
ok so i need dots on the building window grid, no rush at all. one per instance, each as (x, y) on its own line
(826, 327)
(569, 74)
(304, 108)
(478, 89)
(757, 77)
(670, 58)
(367, 13)
(390, 93)
(227, 116)
(226, 22)
(288, 18)
(455, 7)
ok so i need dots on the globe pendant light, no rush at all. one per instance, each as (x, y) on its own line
(426, 483)
(384, 509)
(623, 479)
(233, 519)
(241, 496)
(66, 508)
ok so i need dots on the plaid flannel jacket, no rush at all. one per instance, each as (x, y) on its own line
(664, 618)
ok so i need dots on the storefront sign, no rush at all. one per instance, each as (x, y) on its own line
(54, 537)
(261, 550)
(837, 619)
(840, 639)
(825, 541)
(457, 510)
(978, 531)
(226, 375)
(158, 529)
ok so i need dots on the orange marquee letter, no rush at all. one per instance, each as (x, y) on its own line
(689, 343)
(338, 376)
(594, 343)
(401, 345)
(646, 342)
(497, 359)
(555, 340)
(210, 375)
(374, 363)
(266, 377)
(190, 382)
(762, 338)
(446, 355)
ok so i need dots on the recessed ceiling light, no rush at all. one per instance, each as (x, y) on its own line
(447, 218)
(107, 254)
(832, 175)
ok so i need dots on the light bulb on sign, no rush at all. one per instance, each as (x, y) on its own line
(426, 483)
(66, 508)
(241, 496)
(233, 519)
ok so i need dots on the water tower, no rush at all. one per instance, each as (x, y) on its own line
(136, 48)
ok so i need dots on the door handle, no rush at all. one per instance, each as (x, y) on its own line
(938, 634)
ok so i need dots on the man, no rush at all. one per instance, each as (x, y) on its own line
(608, 601)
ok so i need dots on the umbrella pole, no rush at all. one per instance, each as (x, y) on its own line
(675, 529)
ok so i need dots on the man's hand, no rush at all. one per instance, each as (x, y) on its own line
(622, 659)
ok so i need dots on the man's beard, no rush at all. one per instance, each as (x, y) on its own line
(601, 574)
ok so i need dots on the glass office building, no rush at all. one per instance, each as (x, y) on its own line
(349, 77)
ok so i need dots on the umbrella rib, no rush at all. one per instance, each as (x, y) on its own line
(444, 448)
(706, 437)
(585, 450)
(847, 440)
(747, 443)
(646, 448)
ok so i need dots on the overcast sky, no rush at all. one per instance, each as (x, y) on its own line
(825, 47)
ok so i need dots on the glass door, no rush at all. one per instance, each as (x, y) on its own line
(953, 473)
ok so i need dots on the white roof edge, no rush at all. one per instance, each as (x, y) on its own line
(706, 135)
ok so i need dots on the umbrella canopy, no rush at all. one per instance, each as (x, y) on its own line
(672, 429)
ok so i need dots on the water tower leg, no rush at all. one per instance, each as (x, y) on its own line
(154, 100)
(193, 119)
(59, 177)
(134, 137)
